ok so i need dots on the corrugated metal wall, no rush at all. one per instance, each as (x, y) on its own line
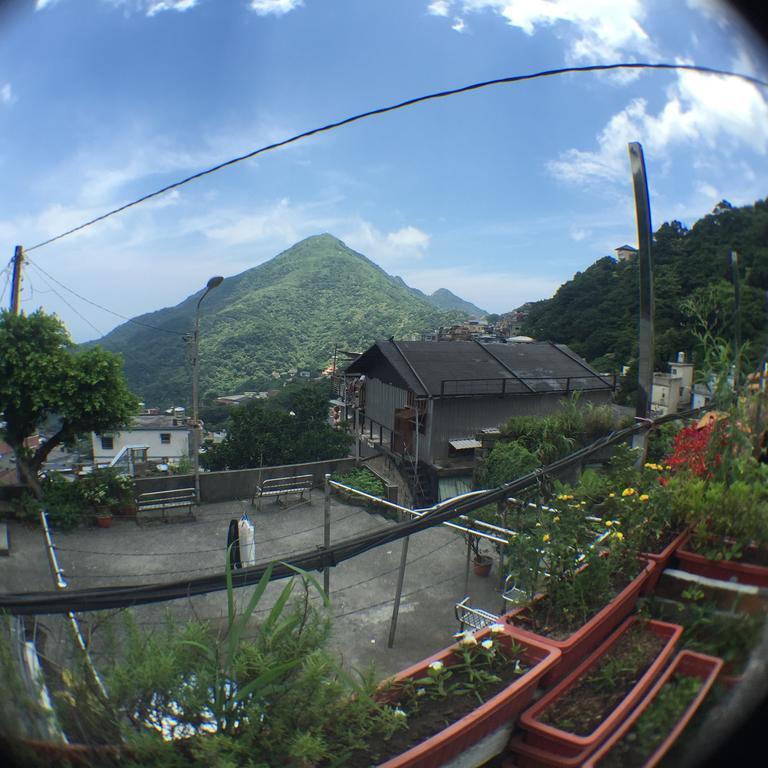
(465, 416)
(381, 400)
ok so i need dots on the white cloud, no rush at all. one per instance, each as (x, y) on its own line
(390, 249)
(458, 24)
(158, 6)
(596, 30)
(439, 8)
(275, 7)
(720, 113)
(42, 4)
(579, 234)
(6, 94)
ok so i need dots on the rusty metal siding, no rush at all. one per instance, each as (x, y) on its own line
(465, 416)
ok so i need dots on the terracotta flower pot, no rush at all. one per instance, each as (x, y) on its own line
(484, 732)
(661, 560)
(552, 743)
(482, 565)
(104, 520)
(686, 663)
(725, 570)
(588, 637)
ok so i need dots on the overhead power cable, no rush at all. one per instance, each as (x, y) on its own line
(391, 108)
(94, 304)
(100, 598)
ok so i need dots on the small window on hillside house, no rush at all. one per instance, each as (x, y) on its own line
(165, 438)
(107, 442)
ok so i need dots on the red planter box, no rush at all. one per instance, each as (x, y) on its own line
(686, 663)
(661, 560)
(726, 570)
(555, 743)
(487, 729)
(582, 642)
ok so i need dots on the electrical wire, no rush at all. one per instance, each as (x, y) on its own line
(392, 108)
(317, 559)
(80, 315)
(98, 306)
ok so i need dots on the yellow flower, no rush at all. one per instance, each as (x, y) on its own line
(619, 535)
(538, 525)
(545, 538)
(564, 497)
(644, 497)
(611, 495)
(608, 523)
(556, 519)
(648, 465)
(628, 492)
(668, 466)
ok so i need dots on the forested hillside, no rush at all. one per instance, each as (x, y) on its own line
(596, 312)
(285, 314)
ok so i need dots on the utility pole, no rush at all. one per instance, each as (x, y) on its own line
(18, 260)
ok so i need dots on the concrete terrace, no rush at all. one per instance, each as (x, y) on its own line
(362, 589)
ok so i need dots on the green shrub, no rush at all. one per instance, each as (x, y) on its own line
(363, 480)
(26, 508)
(505, 462)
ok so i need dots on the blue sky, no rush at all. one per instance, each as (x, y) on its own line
(499, 195)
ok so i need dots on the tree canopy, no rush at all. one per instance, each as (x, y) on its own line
(290, 429)
(43, 375)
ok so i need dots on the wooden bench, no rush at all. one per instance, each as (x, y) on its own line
(476, 618)
(165, 500)
(284, 486)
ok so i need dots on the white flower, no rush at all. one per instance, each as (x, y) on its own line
(487, 644)
(421, 691)
(437, 666)
(496, 629)
(467, 640)
(399, 713)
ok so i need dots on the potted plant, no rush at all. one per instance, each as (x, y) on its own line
(479, 686)
(649, 733)
(581, 581)
(574, 718)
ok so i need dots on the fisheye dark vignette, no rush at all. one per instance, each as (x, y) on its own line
(314, 410)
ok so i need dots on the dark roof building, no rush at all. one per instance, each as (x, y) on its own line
(424, 401)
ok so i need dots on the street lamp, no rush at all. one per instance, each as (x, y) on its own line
(214, 282)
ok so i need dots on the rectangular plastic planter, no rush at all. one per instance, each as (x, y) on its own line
(588, 637)
(484, 732)
(725, 570)
(560, 743)
(685, 663)
(661, 560)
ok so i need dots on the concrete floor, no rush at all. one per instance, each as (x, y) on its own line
(362, 589)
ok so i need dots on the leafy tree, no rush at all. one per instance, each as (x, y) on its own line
(290, 430)
(42, 374)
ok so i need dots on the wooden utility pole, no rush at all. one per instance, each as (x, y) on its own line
(18, 259)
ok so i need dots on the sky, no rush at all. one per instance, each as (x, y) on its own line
(499, 195)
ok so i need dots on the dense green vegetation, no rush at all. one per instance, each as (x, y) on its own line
(288, 429)
(286, 314)
(596, 313)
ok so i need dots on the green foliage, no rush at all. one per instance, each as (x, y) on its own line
(364, 480)
(42, 375)
(263, 434)
(286, 314)
(505, 462)
(26, 508)
(71, 502)
(261, 690)
(688, 264)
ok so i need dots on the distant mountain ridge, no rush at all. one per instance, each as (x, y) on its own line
(442, 298)
(286, 314)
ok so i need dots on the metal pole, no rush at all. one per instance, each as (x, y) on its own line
(469, 560)
(195, 423)
(645, 263)
(18, 260)
(398, 592)
(736, 319)
(327, 533)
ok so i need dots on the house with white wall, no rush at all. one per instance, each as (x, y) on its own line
(166, 437)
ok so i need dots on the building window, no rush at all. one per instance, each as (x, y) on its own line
(107, 443)
(165, 438)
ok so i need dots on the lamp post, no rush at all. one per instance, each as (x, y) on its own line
(214, 282)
